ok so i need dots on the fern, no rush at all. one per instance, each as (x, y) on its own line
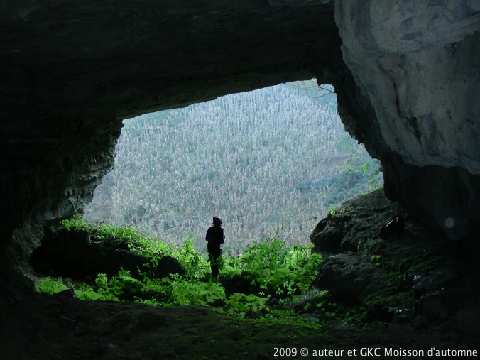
(270, 270)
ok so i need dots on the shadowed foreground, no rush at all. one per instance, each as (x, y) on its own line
(414, 293)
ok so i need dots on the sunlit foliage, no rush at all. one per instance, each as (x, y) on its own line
(270, 274)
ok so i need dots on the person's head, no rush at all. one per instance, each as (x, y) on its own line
(217, 221)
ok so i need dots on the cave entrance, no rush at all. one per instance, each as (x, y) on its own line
(270, 162)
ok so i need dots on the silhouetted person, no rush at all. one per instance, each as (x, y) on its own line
(215, 238)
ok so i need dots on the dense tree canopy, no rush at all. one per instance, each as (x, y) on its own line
(271, 161)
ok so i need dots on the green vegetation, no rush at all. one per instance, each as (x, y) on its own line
(49, 285)
(274, 158)
(267, 276)
(269, 162)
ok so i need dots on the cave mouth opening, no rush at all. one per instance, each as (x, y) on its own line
(270, 162)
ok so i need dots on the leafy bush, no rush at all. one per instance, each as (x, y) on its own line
(271, 274)
(188, 293)
(273, 269)
(76, 223)
(249, 305)
(86, 292)
(104, 232)
(49, 285)
(195, 265)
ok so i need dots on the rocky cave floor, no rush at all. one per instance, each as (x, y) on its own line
(51, 327)
(442, 289)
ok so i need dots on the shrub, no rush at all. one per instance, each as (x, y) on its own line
(86, 292)
(188, 293)
(248, 305)
(49, 285)
(268, 274)
(273, 269)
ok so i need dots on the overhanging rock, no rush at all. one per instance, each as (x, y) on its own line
(407, 79)
(416, 69)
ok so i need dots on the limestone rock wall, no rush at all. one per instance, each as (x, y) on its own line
(44, 179)
(417, 65)
(407, 79)
(408, 273)
(71, 71)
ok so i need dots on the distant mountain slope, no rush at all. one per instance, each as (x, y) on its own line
(267, 161)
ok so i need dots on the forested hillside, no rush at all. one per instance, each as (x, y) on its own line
(271, 161)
